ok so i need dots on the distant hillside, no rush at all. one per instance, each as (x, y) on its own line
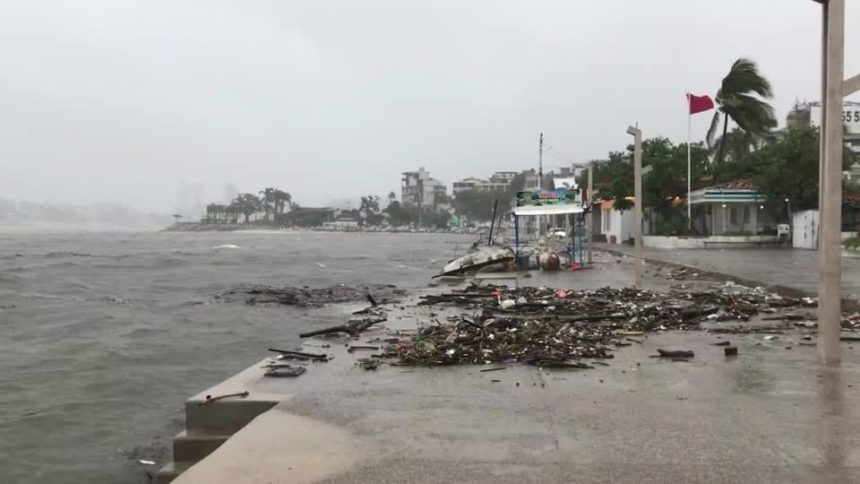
(98, 216)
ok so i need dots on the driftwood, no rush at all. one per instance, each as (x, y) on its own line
(361, 347)
(211, 399)
(284, 371)
(675, 353)
(352, 328)
(300, 355)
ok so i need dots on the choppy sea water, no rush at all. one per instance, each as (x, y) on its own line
(103, 336)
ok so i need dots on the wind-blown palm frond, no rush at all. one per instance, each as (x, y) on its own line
(744, 77)
(742, 97)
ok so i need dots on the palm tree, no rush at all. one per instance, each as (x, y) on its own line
(248, 204)
(738, 144)
(268, 201)
(281, 200)
(742, 97)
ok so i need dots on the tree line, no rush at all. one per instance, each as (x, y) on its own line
(271, 202)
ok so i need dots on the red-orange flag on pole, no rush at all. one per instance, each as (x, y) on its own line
(699, 104)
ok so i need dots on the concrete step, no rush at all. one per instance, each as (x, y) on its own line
(171, 471)
(195, 446)
(224, 417)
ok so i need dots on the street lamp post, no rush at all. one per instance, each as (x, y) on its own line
(638, 268)
(589, 219)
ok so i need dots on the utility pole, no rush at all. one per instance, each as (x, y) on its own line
(830, 184)
(589, 221)
(638, 268)
(540, 163)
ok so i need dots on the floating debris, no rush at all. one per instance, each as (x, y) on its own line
(305, 296)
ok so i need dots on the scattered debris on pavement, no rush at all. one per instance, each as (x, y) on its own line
(555, 328)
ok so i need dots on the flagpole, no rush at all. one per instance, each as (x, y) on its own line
(689, 207)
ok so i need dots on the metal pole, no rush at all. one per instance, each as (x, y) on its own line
(830, 251)
(589, 221)
(540, 163)
(637, 208)
(823, 121)
(517, 242)
(689, 129)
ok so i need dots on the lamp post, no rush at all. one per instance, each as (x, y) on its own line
(589, 220)
(638, 269)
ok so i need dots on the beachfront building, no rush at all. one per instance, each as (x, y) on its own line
(733, 208)
(611, 225)
(809, 114)
(420, 189)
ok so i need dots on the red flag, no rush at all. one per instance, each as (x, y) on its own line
(699, 104)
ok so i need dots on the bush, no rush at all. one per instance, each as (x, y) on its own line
(852, 243)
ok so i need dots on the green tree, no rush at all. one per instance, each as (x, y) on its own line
(788, 169)
(613, 179)
(742, 97)
(369, 210)
(247, 204)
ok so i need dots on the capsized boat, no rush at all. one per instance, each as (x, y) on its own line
(481, 258)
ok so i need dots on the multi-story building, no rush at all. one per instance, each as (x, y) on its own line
(467, 185)
(419, 188)
(809, 114)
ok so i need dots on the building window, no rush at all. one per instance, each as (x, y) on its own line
(733, 216)
(607, 220)
(746, 214)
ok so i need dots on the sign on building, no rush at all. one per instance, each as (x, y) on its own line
(536, 198)
(850, 116)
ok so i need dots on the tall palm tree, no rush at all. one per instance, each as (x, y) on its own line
(281, 200)
(268, 201)
(742, 97)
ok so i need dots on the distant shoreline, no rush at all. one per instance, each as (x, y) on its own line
(205, 227)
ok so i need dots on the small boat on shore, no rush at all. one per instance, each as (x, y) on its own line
(482, 258)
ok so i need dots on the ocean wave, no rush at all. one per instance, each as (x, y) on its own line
(53, 255)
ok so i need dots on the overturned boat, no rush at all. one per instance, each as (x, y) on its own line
(483, 258)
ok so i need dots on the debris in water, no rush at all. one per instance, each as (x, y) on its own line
(147, 462)
(305, 296)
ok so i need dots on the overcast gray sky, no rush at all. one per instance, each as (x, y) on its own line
(119, 100)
